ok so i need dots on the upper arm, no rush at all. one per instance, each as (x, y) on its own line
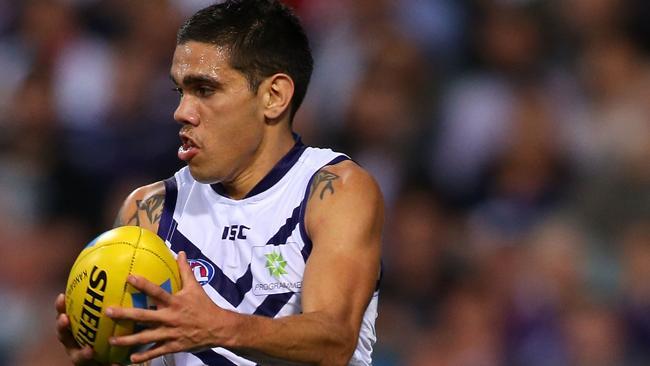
(344, 219)
(143, 207)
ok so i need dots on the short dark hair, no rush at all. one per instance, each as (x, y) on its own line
(263, 37)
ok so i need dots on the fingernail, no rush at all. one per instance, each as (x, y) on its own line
(111, 340)
(109, 311)
(131, 279)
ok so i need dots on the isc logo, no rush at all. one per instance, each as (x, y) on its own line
(234, 232)
(203, 270)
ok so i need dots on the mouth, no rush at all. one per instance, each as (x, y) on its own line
(188, 148)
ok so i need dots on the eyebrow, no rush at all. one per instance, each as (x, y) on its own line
(194, 79)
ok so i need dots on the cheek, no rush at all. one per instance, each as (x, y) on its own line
(232, 129)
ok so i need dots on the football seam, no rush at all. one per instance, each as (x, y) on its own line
(135, 248)
(101, 246)
(178, 285)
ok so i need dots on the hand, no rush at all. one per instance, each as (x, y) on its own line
(78, 355)
(187, 320)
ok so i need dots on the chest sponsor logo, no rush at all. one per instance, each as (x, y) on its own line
(203, 270)
(234, 232)
(275, 263)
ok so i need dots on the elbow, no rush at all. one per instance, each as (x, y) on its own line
(341, 351)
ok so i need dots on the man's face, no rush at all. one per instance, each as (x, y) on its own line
(222, 118)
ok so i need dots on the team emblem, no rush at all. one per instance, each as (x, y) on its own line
(203, 270)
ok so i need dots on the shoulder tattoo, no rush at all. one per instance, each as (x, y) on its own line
(149, 209)
(323, 181)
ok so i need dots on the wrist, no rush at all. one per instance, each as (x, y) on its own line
(229, 332)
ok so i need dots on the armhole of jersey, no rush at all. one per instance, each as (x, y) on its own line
(306, 250)
(381, 276)
(167, 218)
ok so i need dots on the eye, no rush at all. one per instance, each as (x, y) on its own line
(203, 91)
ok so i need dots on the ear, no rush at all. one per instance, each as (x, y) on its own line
(277, 95)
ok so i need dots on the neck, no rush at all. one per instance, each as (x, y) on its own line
(270, 151)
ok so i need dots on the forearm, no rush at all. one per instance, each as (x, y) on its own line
(313, 338)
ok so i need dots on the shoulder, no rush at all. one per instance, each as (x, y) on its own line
(348, 177)
(344, 191)
(151, 194)
(143, 207)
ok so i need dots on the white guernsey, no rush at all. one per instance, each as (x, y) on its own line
(249, 255)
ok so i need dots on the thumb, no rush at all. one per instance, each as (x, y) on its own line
(187, 275)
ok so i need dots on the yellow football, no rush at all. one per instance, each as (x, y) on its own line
(98, 280)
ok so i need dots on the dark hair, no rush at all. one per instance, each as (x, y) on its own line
(263, 37)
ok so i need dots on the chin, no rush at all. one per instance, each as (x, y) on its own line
(203, 177)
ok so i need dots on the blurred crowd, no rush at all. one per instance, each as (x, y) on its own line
(511, 139)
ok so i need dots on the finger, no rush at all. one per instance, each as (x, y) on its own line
(135, 314)
(59, 303)
(146, 336)
(187, 275)
(63, 332)
(82, 356)
(158, 350)
(77, 354)
(62, 322)
(152, 290)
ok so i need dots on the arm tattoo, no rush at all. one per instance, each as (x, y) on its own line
(152, 207)
(323, 178)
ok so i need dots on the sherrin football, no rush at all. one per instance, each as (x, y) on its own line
(98, 280)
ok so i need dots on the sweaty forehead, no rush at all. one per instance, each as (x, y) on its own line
(200, 59)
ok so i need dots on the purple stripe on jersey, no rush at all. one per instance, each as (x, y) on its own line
(285, 231)
(306, 250)
(233, 292)
(211, 358)
(272, 305)
(167, 218)
(279, 170)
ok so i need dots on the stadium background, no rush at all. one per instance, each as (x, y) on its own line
(511, 140)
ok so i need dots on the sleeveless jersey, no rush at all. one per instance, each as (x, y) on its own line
(249, 255)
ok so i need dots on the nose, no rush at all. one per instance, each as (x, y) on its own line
(186, 112)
